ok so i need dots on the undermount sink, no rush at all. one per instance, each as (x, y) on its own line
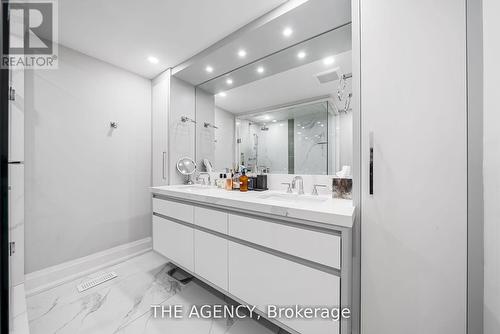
(193, 187)
(293, 198)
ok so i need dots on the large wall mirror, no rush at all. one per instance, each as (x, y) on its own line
(288, 112)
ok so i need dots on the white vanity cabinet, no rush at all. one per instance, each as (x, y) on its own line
(210, 251)
(175, 241)
(320, 247)
(258, 259)
(263, 279)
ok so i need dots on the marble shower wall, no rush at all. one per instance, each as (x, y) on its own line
(311, 144)
(310, 140)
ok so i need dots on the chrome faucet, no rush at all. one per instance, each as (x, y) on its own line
(300, 180)
(204, 180)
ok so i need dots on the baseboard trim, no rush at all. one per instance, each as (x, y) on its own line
(51, 277)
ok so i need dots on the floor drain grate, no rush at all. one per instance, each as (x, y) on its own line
(95, 281)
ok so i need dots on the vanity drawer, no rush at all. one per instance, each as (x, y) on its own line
(174, 241)
(262, 279)
(210, 258)
(211, 219)
(315, 246)
(175, 210)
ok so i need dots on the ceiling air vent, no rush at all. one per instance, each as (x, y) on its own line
(327, 76)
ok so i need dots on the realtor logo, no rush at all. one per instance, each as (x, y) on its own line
(33, 35)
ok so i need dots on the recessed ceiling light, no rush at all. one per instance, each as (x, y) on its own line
(267, 117)
(301, 55)
(274, 121)
(153, 60)
(242, 53)
(222, 94)
(260, 69)
(328, 60)
(229, 81)
(287, 32)
(209, 69)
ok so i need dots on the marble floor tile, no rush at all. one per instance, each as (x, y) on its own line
(193, 294)
(123, 305)
(44, 302)
(19, 323)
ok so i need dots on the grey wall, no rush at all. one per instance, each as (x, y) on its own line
(491, 169)
(86, 186)
(225, 139)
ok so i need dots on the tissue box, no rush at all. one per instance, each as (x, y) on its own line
(342, 187)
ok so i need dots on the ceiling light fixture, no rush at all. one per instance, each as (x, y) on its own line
(287, 32)
(301, 55)
(328, 60)
(209, 69)
(229, 81)
(153, 60)
(260, 69)
(242, 53)
(274, 120)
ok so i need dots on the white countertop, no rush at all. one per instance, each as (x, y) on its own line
(321, 209)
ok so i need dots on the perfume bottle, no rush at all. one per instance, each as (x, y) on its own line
(229, 182)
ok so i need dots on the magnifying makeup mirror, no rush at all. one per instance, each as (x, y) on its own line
(186, 166)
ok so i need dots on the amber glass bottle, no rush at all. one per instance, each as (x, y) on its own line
(243, 182)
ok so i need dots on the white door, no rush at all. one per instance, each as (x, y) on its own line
(16, 177)
(414, 226)
(16, 223)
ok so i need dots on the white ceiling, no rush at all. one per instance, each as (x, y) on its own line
(125, 32)
(327, 44)
(299, 83)
(305, 18)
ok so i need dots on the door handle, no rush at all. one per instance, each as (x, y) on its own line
(371, 165)
(163, 167)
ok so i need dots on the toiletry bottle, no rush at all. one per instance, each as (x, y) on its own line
(243, 182)
(236, 181)
(220, 181)
(229, 182)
